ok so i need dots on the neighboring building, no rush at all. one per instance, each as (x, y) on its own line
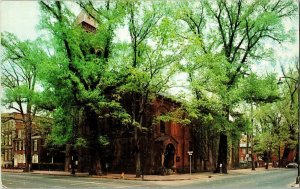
(13, 143)
(245, 158)
(8, 128)
(244, 150)
(13, 140)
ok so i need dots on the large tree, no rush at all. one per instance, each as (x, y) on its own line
(77, 72)
(152, 56)
(238, 31)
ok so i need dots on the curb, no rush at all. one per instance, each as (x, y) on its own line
(53, 174)
(295, 185)
(161, 179)
(145, 179)
(117, 177)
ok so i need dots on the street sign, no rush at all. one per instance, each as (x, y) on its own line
(190, 153)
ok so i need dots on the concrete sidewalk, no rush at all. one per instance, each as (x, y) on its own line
(172, 177)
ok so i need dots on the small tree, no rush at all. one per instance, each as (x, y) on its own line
(238, 31)
(20, 67)
(255, 91)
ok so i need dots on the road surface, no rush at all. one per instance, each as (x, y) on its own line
(282, 178)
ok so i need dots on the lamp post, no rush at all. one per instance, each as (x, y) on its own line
(190, 154)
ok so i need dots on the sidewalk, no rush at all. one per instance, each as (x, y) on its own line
(173, 177)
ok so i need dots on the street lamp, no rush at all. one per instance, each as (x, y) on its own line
(190, 154)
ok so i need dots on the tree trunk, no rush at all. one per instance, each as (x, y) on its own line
(67, 157)
(72, 153)
(237, 155)
(252, 139)
(94, 144)
(95, 167)
(222, 156)
(137, 154)
(28, 130)
(279, 161)
(205, 168)
(285, 155)
(268, 159)
(252, 154)
(252, 162)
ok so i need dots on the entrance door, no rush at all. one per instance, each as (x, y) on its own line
(169, 156)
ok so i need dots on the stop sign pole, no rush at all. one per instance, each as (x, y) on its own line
(190, 154)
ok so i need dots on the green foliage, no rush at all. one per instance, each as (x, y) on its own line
(62, 129)
(80, 143)
(259, 89)
(177, 116)
(213, 42)
(103, 140)
(275, 127)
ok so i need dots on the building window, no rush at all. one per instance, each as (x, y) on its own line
(9, 139)
(243, 151)
(5, 140)
(5, 155)
(20, 133)
(9, 155)
(20, 145)
(16, 145)
(162, 127)
(35, 145)
(19, 158)
(35, 158)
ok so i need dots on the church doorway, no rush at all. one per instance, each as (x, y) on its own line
(169, 156)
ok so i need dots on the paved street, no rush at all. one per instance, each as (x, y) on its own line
(282, 178)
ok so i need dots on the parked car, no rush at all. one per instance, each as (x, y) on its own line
(292, 165)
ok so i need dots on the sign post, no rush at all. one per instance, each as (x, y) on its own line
(190, 154)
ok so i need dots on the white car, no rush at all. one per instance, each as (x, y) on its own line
(292, 165)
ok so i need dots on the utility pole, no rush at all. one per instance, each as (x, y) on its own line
(298, 88)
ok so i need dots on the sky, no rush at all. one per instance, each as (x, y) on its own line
(22, 17)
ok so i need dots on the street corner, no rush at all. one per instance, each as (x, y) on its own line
(294, 185)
